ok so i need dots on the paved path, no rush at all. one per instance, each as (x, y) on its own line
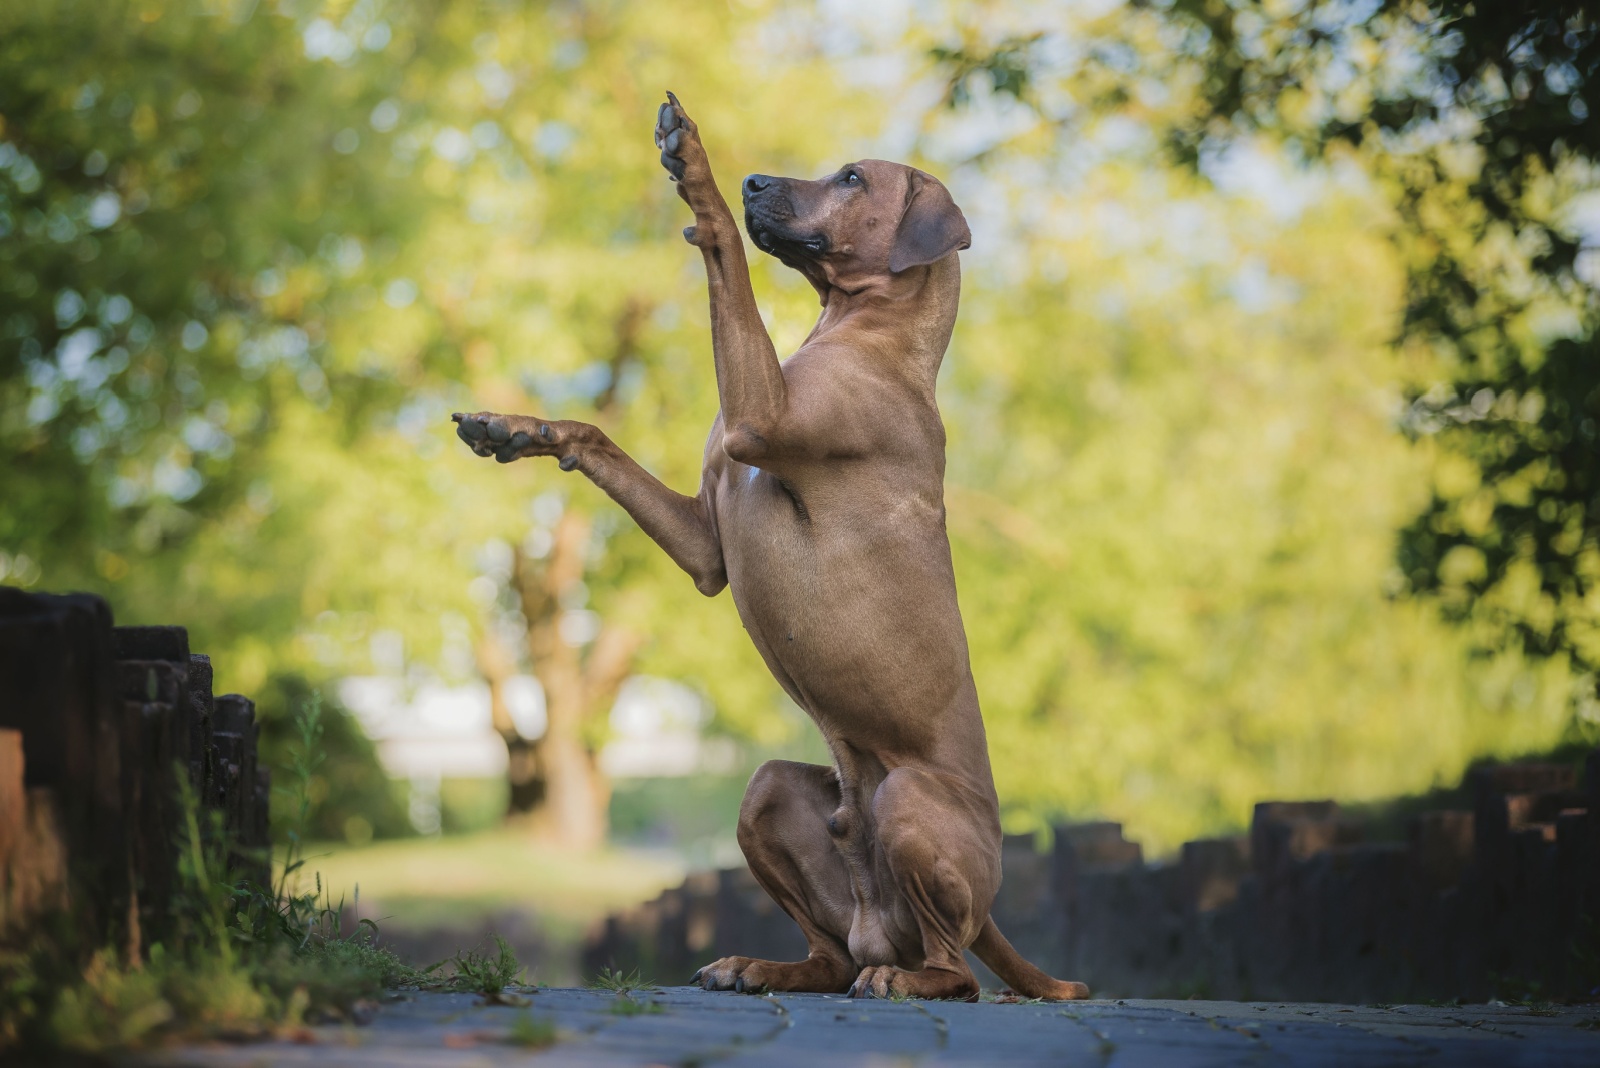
(684, 1027)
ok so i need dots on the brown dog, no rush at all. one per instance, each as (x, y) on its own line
(821, 505)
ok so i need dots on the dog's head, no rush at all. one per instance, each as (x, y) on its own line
(864, 222)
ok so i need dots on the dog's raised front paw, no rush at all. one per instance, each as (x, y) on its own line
(511, 437)
(678, 138)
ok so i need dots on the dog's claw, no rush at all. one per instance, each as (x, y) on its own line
(695, 978)
(738, 985)
(545, 432)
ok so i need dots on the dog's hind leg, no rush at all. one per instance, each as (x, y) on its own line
(941, 844)
(783, 832)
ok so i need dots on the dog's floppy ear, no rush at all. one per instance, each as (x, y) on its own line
(932, 227)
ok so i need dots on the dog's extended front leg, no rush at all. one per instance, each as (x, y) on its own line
(749, 379)
(680, 525)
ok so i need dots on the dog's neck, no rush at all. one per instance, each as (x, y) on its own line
(926, 296)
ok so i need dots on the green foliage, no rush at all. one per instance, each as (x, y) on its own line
(531, 1032)
(624, 1005)
(1183, 437)
(244, 960)
(1230, 620)
(619, 982)
(1487, 145)
(179, 236)
(351, 797)
(483, 973)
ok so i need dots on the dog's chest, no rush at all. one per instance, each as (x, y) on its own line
(843, 593)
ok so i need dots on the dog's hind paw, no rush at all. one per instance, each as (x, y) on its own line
(747, 975)
(934, 983)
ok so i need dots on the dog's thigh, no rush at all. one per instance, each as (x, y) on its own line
(783, 830)
(942, 849)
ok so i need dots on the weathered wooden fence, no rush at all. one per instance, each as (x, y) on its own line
(101, 728)
(1502, 898)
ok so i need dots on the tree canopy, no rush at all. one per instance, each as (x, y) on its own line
(1277, 336)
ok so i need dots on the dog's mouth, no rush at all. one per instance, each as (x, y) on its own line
(778, 236)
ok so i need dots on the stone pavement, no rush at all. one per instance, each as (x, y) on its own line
(685, 1027)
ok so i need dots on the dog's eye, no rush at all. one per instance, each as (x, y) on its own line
(852, 178)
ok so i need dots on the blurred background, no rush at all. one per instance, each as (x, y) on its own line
(1272, 405)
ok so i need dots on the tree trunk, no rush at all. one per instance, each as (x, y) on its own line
(524, 769)
(557, 787)
(558, 790)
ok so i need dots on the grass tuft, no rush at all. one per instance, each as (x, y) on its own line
(627, 1006)
(619, 982)
(487, 975)
(244, 960)
(531, 1032)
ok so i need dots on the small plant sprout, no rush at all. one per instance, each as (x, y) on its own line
(619, 982)
(531, 1032)
(487, 975)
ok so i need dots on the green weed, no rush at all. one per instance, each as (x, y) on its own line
(242, 960)
(626, 1006)
(531, 1032)
(619, 982)
(483, 974)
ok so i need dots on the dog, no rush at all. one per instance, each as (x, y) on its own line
(821, 506)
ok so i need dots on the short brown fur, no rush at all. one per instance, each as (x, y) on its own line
(821, 506)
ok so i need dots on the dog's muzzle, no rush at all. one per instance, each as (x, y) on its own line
(769, 219)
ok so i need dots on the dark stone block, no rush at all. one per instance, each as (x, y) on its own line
(1528, 777)
(1211, 870)
(1282, 832)
(234, 714)
(153, 680)
(201, 718)
(57, 677)
(1095, 845)
(1441, 848)
(151, 643)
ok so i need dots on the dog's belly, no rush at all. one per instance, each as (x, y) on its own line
(852, 604)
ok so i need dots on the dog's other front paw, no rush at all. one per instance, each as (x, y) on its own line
(511, 437)
(678, 138)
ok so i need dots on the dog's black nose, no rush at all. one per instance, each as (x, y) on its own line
(755, 183)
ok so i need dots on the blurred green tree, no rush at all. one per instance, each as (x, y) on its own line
(1479, 121)
(184, 199)
(253, 255)
(1451, 134)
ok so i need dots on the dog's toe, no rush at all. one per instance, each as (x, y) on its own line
(512, 449)
(471, 430)
(666, 122)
